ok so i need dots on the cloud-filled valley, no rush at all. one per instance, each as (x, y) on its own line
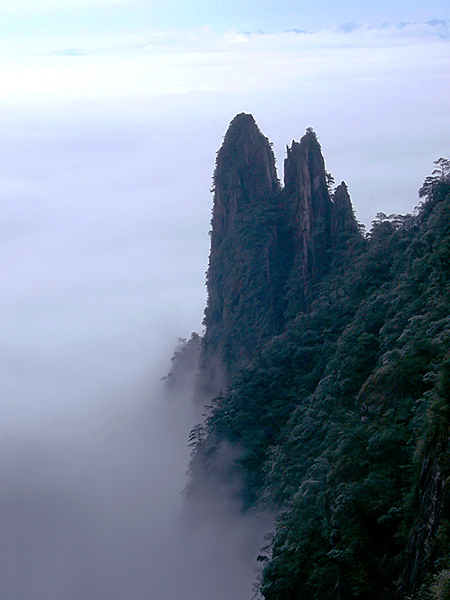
(108, 149)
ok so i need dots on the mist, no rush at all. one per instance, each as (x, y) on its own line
(92, 508)
(103, 270)
(107, 153)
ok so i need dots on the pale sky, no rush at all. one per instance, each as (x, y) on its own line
(115, 16)
(111, 115)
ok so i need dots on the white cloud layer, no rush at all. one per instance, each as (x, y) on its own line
(108, 147)
(245, 15)
(157, 64)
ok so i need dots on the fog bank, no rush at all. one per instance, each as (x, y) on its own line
(104, 249)
(90, 507)
(107, 154)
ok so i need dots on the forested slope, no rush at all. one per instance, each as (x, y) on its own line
(336, 416)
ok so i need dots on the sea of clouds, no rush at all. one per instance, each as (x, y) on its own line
(107, 153)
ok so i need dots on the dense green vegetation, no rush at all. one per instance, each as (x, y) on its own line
(340, 422)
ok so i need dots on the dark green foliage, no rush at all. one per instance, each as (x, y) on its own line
(184, 362)
(341, 420)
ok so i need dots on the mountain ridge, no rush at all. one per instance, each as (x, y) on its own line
(331, 406)
(267, 241)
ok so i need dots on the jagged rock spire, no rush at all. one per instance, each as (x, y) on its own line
(307, 197)
(343, 223)
(245, 171)
(269, 247)
(304, 166)
(240, 302)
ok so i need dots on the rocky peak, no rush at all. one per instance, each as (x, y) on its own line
(343, 223)
(245, 171)
(269, 247)
(304, 165)
(308, 199)
(239, 312)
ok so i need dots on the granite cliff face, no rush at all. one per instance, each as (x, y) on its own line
(244, 178)
(306, 194)
(269, 245)
(239, 312)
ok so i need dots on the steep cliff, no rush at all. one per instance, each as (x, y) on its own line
(240, 311)
(306, 195)
(269, 246)
(336, 352)
(343, 220)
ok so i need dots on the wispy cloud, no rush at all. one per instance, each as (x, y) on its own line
(207, 39)
(172, 63)
(352, 84)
